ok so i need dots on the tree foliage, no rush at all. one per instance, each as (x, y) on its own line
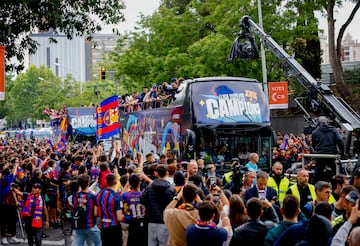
(306, 44)
(193, 39)
(19, 18)
(38, 88)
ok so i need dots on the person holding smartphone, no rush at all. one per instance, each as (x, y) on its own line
(350, 201)
(205, 231)
(349, 227)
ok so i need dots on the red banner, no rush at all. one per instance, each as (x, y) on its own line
(2, 73)
(278, 95)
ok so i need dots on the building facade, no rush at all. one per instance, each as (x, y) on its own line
(79, 57)
(350, 56)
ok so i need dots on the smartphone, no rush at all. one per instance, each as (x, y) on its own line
(262, 194)
(212, 181)
(216, 198)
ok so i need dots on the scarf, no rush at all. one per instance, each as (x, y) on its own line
(187, 206)
(207, 224)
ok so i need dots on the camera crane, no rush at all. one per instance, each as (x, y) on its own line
(321, 96)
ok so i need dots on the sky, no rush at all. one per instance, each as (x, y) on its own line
(147, 7)
(133, 10)
(341, 15)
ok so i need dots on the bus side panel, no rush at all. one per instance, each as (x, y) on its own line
(154, 130)
(229, 102)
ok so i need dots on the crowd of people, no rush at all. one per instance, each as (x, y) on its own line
(119, 199)
(155, 97)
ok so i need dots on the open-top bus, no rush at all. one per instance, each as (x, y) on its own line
(206, 116)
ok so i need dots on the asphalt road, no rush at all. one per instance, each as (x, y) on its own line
(55, 238)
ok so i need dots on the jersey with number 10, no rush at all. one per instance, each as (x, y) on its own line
(132, 209)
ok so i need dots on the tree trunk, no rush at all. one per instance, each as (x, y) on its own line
(335, 55)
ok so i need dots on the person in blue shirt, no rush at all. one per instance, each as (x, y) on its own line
(252, 164)
(110, 213)
(134, 213)
(8, 206)
(90, 231)
(204, 231)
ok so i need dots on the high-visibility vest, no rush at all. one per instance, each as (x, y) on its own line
(227, 177)
(332, 199)
(36, 220)
(295, 191)
(281, 189)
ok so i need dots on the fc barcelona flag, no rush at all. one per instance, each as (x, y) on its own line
(107, 118)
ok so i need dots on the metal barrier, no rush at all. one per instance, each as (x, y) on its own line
(346, 164)
(328, 156)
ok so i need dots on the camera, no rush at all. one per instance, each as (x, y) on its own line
(14, 185)
(237, 178)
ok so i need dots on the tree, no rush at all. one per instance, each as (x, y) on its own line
(306, 44)
(335, 48)
(38, 88)
(193, 39)
(194, 42)
(18, 19)
(32, 92)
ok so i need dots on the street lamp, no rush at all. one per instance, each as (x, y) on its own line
(72, 71)
(44, 80)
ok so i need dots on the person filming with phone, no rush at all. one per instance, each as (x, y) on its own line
(267, 195)
(351, 200)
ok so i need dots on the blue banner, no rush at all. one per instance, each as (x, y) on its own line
(231, 102)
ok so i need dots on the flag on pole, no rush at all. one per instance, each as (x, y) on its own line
(107, 118)
(63, 124)
(61, 146)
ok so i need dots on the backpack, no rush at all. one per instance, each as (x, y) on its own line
(79, 218)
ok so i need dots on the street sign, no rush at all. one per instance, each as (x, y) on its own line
(278, 95)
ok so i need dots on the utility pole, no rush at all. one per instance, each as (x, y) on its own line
(263, 57)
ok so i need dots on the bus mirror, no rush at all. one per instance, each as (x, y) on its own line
(190, 143)
(191, 137)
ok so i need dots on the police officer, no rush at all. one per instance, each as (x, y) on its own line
(304, 191)
(278, 181)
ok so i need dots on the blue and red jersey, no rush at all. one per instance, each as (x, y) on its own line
(108, 203)
(88, 201)
(133, 209)
(94, 172)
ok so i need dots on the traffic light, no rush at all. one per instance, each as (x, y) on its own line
(102, 73)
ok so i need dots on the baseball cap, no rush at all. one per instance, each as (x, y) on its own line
(352, 196)
(66, 177)
(37, 185)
